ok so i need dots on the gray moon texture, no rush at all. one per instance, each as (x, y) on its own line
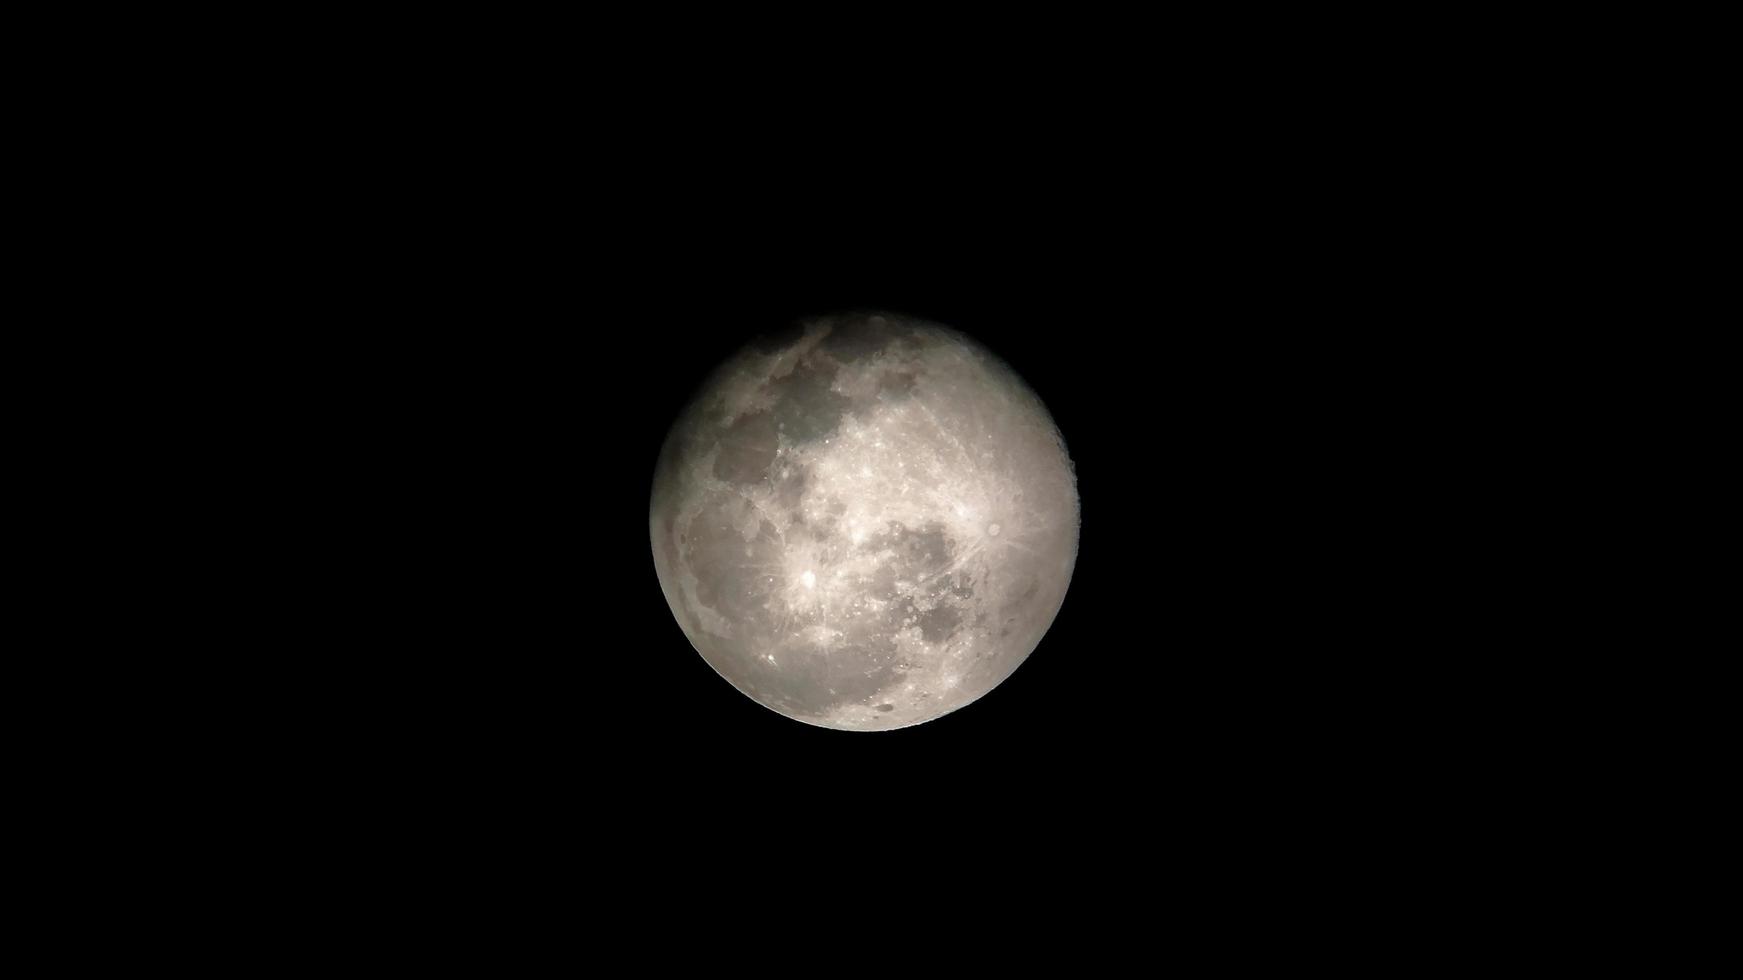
(864, 524)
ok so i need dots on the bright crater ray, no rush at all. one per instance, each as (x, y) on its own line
(866, 525)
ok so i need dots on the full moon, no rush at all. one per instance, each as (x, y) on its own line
(864, 524)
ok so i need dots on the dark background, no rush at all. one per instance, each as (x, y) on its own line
(454, 307)
(1228, 347)
(1215, 635)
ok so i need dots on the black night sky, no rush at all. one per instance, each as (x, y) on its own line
(455, 309)
(1229, 639)
(1184, 388)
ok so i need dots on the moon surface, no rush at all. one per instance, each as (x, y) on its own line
(866, 524)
